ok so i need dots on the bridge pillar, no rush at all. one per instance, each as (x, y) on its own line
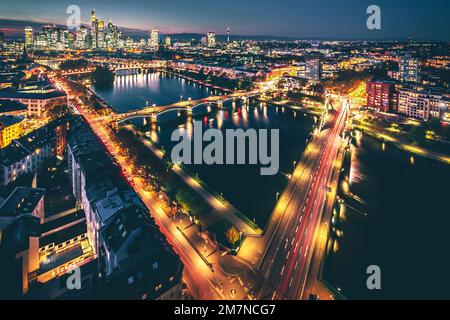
(154, 118)
(189, 110)
(220, 104)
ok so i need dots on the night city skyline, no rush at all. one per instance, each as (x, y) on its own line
(234, 158)
(296, 19)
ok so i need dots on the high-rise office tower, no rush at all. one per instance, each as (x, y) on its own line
(29, 37)
(101, 34)
(63, 40)
(211, 39)
(94, 30)
(408, 69)
(2, 39)
(154, 35)
(113, 35)
(228, 34)
(168, 41)
(82, 33)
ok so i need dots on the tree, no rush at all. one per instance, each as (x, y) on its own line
(232, 235)
(103, 78)
(57, 112)
(74, 64)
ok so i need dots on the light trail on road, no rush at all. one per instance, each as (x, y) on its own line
(288, 257)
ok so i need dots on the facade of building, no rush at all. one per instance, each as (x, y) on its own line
(422, 104)
(211, 39)
(12, 108)
(19, 254)
(135, 260)
(38, 104)
(154, 39)
(408, 69)
(21, 215)
(168, 41)
(28, 153)
(24, 200)
(81, 38)
(10, 129)
(382, 96)
(313, 69)
(29, 37)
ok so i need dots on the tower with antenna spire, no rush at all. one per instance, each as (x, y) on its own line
(228, 34)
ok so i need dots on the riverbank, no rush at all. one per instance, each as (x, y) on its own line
(289, 104)
(374, 133)
(197, 81)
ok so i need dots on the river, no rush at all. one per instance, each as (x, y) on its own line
(400, 224)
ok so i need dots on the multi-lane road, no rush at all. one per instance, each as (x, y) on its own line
(287, 259)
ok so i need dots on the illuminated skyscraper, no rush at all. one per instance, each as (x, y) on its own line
(154, 35)
(101, 34)
(94, 30)
(113, 36)
(211, 39)
(228, 34)
(168, 41)
(81, 40)
(63, 40)
(29, 37)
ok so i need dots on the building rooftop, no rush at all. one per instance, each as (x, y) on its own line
(15, 232)
(13, 153)
(6, 94)
(10, 105)
(64, 235)
(6, 121)
(26, 145)
(22, 200)
(62, 222)
(82, 139)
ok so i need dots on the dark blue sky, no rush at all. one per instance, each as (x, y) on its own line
(420, 19)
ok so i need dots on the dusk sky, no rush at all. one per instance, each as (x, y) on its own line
(401, 19)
